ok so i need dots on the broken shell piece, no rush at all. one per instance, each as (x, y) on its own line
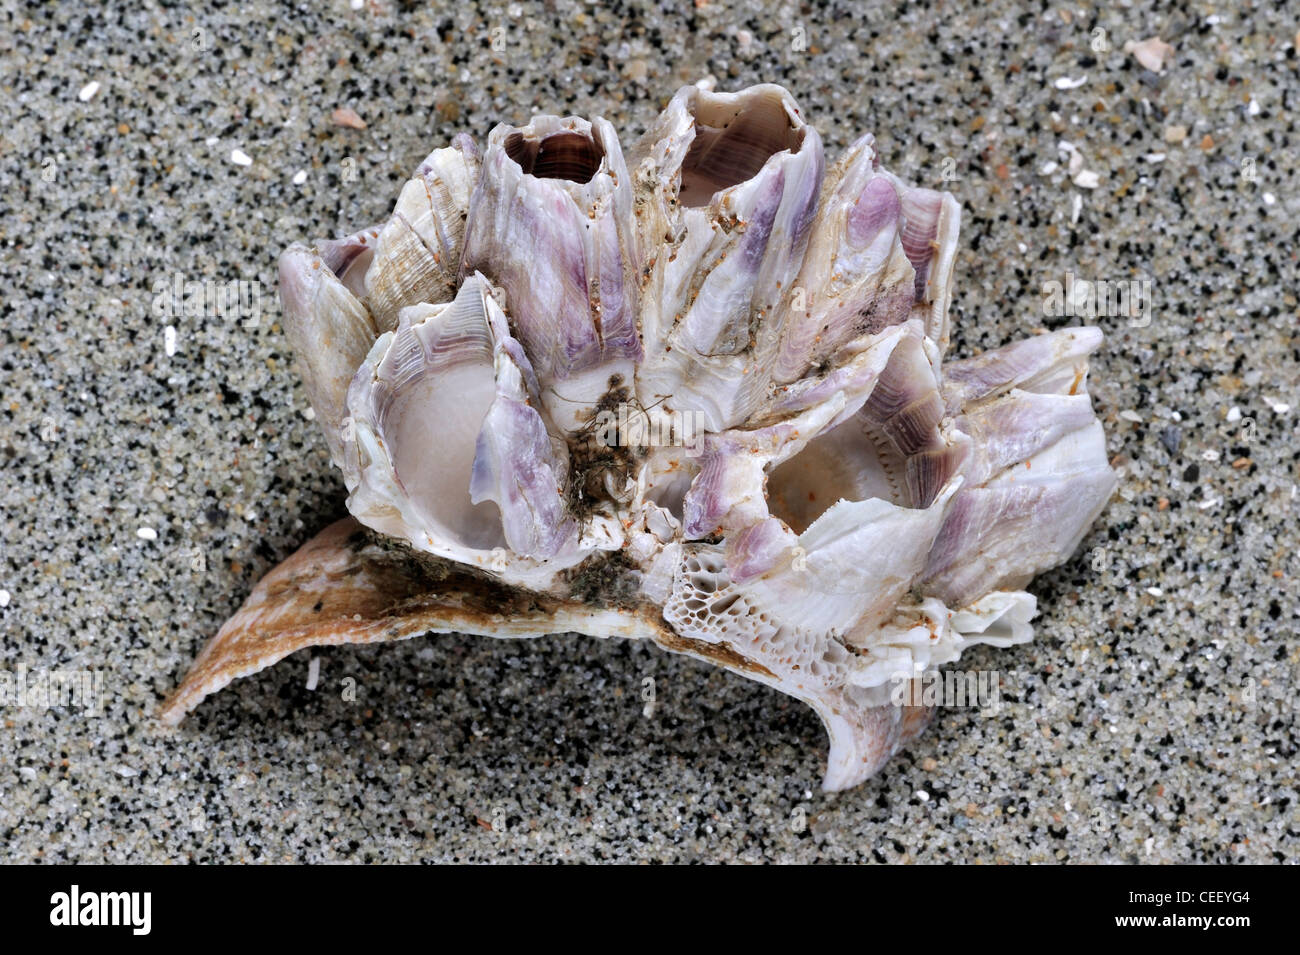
(1151, 52)
(700, 398)
(347, 117)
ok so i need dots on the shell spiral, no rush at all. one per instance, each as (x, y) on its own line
(710, 376)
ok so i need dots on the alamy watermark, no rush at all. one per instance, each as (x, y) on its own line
(631, 427)
(177, 297)
(949, 688)
(128, 909)
(1115, 298)
(80, 689)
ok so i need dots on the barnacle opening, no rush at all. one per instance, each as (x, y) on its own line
(892, 448)
(733, 141)
(568, 155)
(431, 425)
(831, 468)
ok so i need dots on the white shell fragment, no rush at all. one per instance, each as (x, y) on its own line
(694, 393)
(1151, 53)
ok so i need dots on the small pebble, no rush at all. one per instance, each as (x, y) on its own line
(347, 118)
(87, 92)
(146, 533)
(1150, 53)
(240, 158)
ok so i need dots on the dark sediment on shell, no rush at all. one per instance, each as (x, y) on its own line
(607, 580)
(428, 573)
